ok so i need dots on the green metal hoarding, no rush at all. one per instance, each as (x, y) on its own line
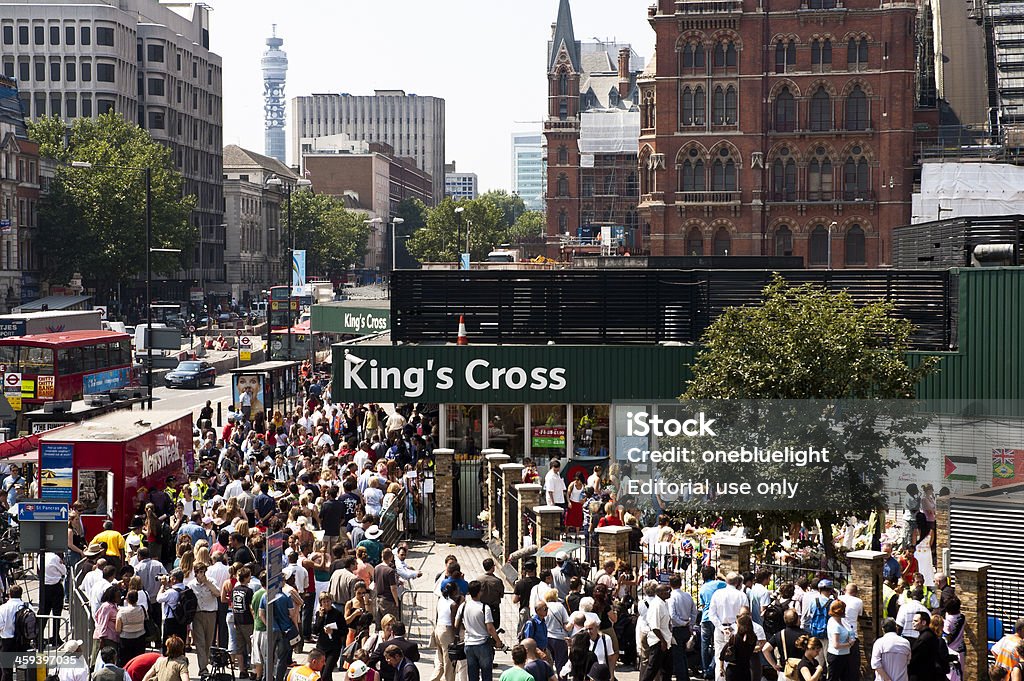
(509, 374)
(350, 319)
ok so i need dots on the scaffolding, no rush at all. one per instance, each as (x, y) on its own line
(609, 181)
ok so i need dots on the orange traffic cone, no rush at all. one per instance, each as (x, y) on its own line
(463, 339)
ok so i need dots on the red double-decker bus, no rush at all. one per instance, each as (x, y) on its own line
(66, 365)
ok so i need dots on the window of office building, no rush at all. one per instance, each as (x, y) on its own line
(86, 35)
(105, 73)
(105, 36)
(155, 86)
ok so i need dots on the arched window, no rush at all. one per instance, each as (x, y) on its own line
(784, 178)
(718, 106)
(857, 110)
(724, 55)
(686, 107)
(817, 247)
(563, 109)
(562, 186)
(647, 110)
(821, 52)
(694, 175)
(563, 155)
(784, 113)
(691, 57)
(856, 176)
(723, 175)
(782, 241)
(857, 53)
(785, 55)
(563, 84)
(821, 111)
(730, 106)
(854, 246)
(722, 242)
(695, 242)
(819, 177)
(699, 106)
(563, 222)
(613, 97)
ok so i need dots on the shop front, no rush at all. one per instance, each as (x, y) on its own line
(541, 402)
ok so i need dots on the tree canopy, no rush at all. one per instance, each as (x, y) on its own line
(495, 218)
(92, 220)
(807, 344)
(333, 237)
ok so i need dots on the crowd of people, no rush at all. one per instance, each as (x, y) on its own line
(190, 572)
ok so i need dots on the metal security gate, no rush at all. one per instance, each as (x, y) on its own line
(467, 499)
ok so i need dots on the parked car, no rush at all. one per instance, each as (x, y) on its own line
(191, 373)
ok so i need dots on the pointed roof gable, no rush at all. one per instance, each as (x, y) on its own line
(564, 38)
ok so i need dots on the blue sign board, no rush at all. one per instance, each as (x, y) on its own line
(464, 261)
(56, 471)
(106, 380)
(41, 511)
(10, 328)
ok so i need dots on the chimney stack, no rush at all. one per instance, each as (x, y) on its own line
(624, 72)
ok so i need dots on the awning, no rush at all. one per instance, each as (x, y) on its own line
(552, 548)
(55, 303)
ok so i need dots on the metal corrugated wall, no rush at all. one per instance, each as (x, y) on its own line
(990, 533)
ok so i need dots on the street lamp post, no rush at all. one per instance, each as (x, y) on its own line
(276, 181)
(394, 243)
(147, 174)
(830, 226)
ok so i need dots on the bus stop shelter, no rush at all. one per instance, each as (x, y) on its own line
(270, 385)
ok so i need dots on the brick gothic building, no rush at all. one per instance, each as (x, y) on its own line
(774, 127)
(591, 133)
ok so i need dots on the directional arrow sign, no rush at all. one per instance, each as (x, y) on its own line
(36, 511)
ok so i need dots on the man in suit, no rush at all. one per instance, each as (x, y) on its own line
(404, 669)
(410, 652)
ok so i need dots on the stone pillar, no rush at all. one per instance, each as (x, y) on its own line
(443, 486)
(493, 462)
(612, 544)
(941, 528)
(511, 475)
(866, 573)
(734, 554)
(549, 526)
(529, 496)
(972, 590)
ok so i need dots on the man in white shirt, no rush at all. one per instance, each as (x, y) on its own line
(909, 608)
(890, 654)
(601, 644)
(659, 635)
(79, 671)
(481, 638)
(7, 613)
(205, 623)
(405, 572)
(554, 486)
(100, 586)
(854, 609)
(53, 590)
(725, 606)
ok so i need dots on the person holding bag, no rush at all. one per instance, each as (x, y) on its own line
(444, 632)
(480, 638)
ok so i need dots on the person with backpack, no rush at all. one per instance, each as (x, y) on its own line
(536, 627)
(14, 628)
(816, 610)
(240, 620)
(179, 605)
(773, 617)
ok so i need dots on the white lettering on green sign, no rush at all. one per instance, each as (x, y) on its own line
(478, 375)
(366, 321)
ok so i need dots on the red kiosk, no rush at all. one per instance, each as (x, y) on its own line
(109, 463)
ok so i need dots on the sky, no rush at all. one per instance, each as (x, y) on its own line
(486, 58)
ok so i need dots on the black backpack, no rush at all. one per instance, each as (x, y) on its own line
(184, 610)
(773, 617)
(25, 630)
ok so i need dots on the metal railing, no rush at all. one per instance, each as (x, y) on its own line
(783, 573)
(82, 624)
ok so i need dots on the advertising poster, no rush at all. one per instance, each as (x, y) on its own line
(44, 387)
(56, 471)
(298, 272)
(549, 436)
(250, 385)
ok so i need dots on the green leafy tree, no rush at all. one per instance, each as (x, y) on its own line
(92, 220)
(334, 238)
(510, 205)
(529, 226)
(444, 236)
(806, 343)
(414, 213)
